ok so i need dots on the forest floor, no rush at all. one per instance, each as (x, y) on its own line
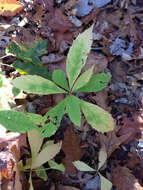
(117, 49)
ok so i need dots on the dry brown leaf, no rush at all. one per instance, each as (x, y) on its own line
(39, 13)
(72, 149)
(60, 26)
(122, 179)
(132, 125)
(10, 7)
(102, 99)
(111, 141)
(98, 60)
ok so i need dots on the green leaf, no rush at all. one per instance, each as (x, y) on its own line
(83, 79)
(41, 172)
(102, 157)
(15, 91)
(46, 154)
(96, 83)
(36, 118)
(16, 121)
(105, 183)
(31, 69)
(29, 51)
(36, 85)
(98, 118)
(77, 55)
(52, 120)
(30, 182)
(73, 109)
(81, 166)
(54, 165)
(0, 81)
(60, 78)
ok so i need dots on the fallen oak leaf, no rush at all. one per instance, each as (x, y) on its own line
(72, 149)
(111, 141)
(123, 179)
(10, 8)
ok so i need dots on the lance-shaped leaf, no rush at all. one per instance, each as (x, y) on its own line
(35, 142)
(73, 109)
(77, 55)
(102, 157)
(16, 121)
(59, 78)
(81, 166)
(105, 183)
(83, 79)
(98, 118)
(54, 165)
(36, 85)
(96, 83)
(41, 172)
(36, 118)
(31, 69)
(52, 120)
(46, 154)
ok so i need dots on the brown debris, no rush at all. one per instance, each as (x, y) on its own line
(72, 149)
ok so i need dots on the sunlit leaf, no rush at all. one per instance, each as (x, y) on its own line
(105, 183)
(41, 172)
(73, 109)
(35, 142)
(52, 120)
(96, 83)
(83, 79)
(36, 85)
(46, 154)
(54, 165)
(59, 78)
(98, 118)
(81, 166)
(77, 55)
(30, 182)
(16, 121)
(102, 157)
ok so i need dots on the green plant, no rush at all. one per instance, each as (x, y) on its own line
(40, 154)
(81, 166)
(71, 105)
(28, 54)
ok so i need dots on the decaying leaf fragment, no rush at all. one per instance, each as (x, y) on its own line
(123, 179)
(72, 149)
(10, 7)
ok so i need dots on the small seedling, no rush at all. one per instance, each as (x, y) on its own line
(40, 154)
(28, 61)
(98, 118)
(81, 166)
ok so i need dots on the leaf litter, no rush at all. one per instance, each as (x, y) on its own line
(117, 51)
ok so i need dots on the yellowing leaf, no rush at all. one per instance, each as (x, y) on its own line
(105, 183)
(81, 166)
(102, 157)
(35, 141)
(10, 7)
(46, 154)
(97, 117)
